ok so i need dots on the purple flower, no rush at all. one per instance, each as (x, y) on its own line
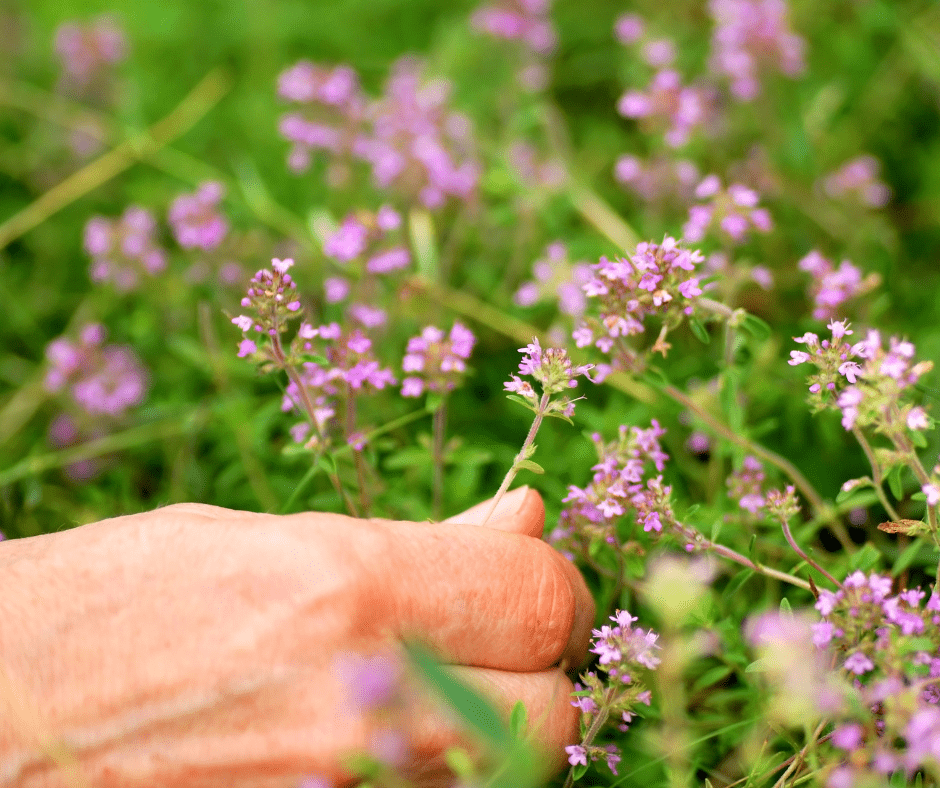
(577, 755)
(122, 250)
(88, 51)
(195, 218)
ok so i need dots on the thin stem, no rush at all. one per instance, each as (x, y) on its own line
(315, 467)
(877, 476)
(596, 724)
(799, 551)
(364, 502)
(800, 757)
(511, 474)
(310, 410)
(439, 432)
(735, 556)
(802, 483)
(191, 109)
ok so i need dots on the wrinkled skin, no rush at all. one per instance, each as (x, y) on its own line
(196, 646)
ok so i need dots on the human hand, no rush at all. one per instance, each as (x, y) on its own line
(198, 646)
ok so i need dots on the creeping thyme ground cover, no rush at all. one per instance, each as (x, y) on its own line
(673, 264)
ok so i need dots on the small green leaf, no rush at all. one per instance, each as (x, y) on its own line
(561, 416)
(530, 465)
(712, 676)
(698, 328)
(845, 494)
(579, 771)
(320, 361)
(917, 439)
(757, 666)
(522, 401)
(328, 463)
(433, 402)
(894, 482)
(736, 582)
(757, 328)
(459, 762)
(518, 720)
(785, 607)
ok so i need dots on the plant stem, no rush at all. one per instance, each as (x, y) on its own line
(799, 551)
(307, 405)
(314, 467)
(735, 556)
(438, 459)
(192, 108)
(596, 724)
(364, 502)
(511, 473)
(877, 476)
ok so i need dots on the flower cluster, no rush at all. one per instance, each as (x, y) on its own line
(124, 249)
(273, 300)
(752, 36)
(657, 279)
(88, 51)
(100, 384)
(804, 687)
(365, 236)
(535, 172)
(745, 485)
(526, 21)
(558, 280)
(733, 210)
(329, 115)
(622, 481)
(553, 370)
(831, 287)
(435, 363)
(624, 653)
(659, 179)
(102, 380)
(865, 381)
(669, 106)
(419, 146)
(858, 180)
(886, 643)
(409, 136)
(196, 220)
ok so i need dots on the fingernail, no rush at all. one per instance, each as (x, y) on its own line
(510, 503)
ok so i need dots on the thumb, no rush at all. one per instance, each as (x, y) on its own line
(520, 511)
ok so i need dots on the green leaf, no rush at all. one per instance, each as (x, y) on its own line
(894, 482)
(785, 606)
(579, 771)
(522, 401)
(433, 402)
(917, 439)
(866, 558)
(328, 463)
(460, 763)
(736, 582)
(845, 494)
(518, 720)
(561, 416)
(757, 666)
(712, 676)
(530, 465)
(757, 328)
(698, 328)
(320, 361)
(907, 557)
(472, 708)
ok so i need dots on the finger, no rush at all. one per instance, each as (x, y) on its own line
(486, 598)
(212, 512)
(552, 722)
(520, 511)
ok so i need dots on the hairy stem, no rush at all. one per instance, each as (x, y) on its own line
(877, 475)
(596, 724)
(799, 551)
(514, 469)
